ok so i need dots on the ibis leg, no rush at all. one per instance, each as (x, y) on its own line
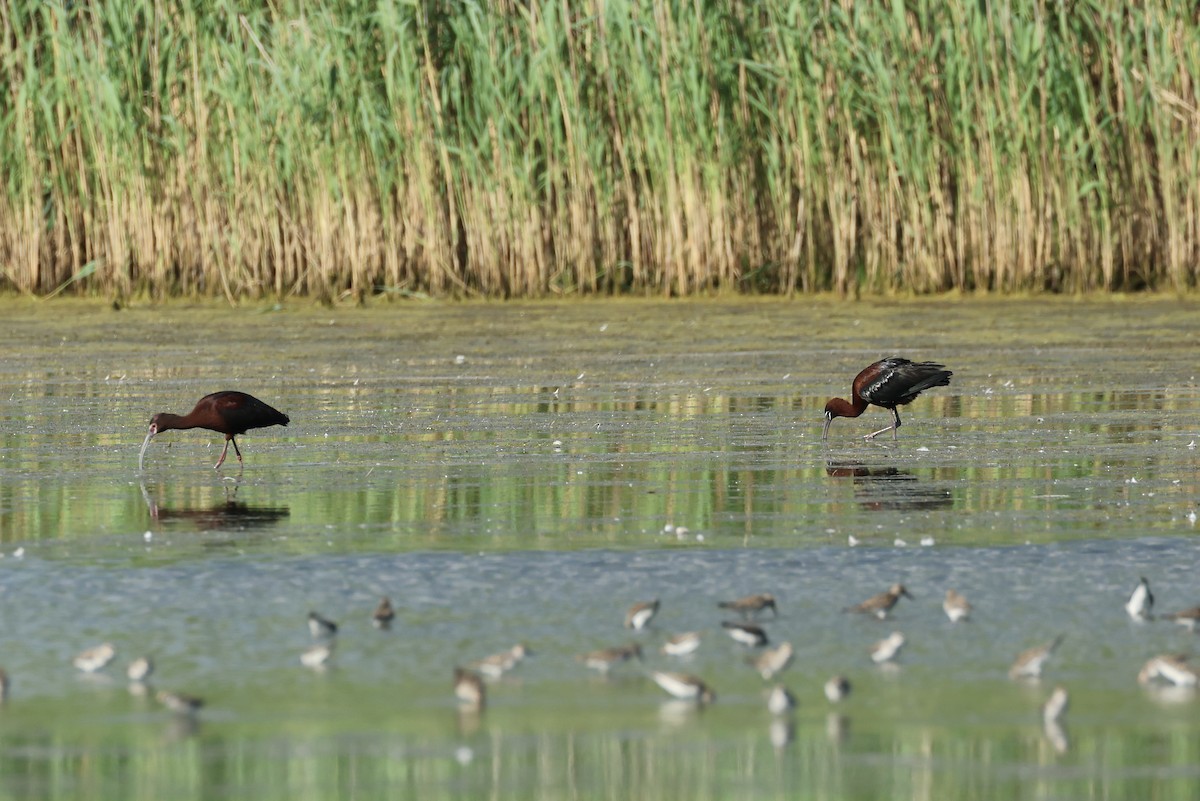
(895, 425)
(221, 461)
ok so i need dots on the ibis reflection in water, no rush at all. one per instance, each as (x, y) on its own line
(887, 488)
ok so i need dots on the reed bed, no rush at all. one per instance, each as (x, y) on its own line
(531, 148)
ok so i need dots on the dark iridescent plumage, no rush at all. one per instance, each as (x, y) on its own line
(888, 383)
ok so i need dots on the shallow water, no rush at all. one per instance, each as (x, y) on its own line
(525, 472)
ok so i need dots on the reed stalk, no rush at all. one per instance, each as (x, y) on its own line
(336, 149)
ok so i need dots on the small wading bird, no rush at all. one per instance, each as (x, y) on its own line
(879, 605)
(887, 649)
(772, 662)
(321, 627)
(888, 383)
(682, 644)
(1169, 667)
(640, 614)
(139, 670)
(780, 701)
(684, 686)
(1186, 618)
(956, 606)
(468, 688)
(1028, 664)
(751, 605)
(94, 659)
(1141, 601)
(229, 413)
(384, 614)
(746, 633)
(604, 659)
(837, 688)
(496, 665)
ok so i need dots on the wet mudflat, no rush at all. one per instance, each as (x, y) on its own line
(525, 472)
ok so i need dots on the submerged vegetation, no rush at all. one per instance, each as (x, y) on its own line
(513, 149)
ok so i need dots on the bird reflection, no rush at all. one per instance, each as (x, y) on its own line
(1056, 734)
(885, 488)
(228, 514)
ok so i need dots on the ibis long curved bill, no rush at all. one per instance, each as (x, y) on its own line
(145, 445)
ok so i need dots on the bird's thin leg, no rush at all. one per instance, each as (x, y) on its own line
(239, 453)
(895, 424)
(221, 461)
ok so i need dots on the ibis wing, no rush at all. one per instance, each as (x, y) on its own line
(900, 381)
(242, 412)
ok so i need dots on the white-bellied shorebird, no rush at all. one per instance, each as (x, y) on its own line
(682, 644)
(139, 669)
(1029, 662)
(837, 688)
(956, 606)
(780, 701)
(469, 689)
(94, 659)
(640, 614)
(496, 665)
(773, 661)
(606, 658)
(321, 627)
(1172, 668)
(684, 686)
(1141, 601)
(887, 649)
(880, 605)
(316, 656)
(746, 633)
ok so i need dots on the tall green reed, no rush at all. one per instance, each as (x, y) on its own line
(515, 149)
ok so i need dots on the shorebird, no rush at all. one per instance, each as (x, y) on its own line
(774, 661)
(1186, 618)
(1169, 667)
(682, 644)
(887, 649)
(751, 605)
(780, 701)
(229, 413)
(94, 659)
(384, 614)
(888, 383)
(1055, 706)
(496, 665)
(317, 655)
(879, 605)
(956, 606)
(640, 614)
(1141, 601)
(180, 703)
(604, 659)
(684, 686)
(468, 689)
(139, 669)
(321, 627)
(746, 633)
(837, 688)
(1028, 663)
